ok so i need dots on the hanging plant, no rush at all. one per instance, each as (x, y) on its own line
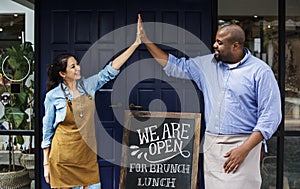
(16, 95)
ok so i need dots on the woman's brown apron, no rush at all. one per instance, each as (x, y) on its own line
(72, 158)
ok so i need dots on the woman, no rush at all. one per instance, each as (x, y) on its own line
(69, 150)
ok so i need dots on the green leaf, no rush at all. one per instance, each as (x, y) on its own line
(14, 116)
(16, 68)
(20, 139)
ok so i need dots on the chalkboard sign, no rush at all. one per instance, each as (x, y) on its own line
(160, 150)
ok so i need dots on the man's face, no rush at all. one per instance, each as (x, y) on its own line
(223, 47)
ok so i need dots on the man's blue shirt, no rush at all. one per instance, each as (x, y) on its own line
(238, 99)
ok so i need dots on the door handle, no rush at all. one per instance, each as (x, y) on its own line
(135, 106)
(119, 105)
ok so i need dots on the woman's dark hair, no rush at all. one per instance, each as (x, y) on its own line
(59, 63)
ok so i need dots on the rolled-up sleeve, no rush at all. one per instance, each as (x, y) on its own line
(111, 71)
(95, 82)
(269, 105)
(106, 74)
(48, 121)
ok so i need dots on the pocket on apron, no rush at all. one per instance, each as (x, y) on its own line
(72, 149)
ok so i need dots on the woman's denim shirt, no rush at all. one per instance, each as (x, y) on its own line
(55, 101)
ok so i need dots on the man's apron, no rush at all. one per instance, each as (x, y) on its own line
(247, 175)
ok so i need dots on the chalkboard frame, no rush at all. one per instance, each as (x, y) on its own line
(129, 114)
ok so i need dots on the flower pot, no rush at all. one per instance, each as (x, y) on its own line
(27, 160)
(18, 179)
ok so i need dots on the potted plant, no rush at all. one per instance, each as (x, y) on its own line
(17, 98)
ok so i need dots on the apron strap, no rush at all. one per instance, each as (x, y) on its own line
(82, 86)
(67, 99)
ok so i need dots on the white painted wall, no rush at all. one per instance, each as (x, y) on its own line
(8, 6)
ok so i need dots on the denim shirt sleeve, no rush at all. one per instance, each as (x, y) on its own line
(55, 112)
(48, 121)
(55, 103)
(95, 82)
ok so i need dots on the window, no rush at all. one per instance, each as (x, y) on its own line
(260, 24)
(12, 29)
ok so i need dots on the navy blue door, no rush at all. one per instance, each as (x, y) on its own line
(95, 32)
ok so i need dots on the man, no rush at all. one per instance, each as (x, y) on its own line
(242, 106)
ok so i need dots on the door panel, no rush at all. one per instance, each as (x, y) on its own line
(85, 29)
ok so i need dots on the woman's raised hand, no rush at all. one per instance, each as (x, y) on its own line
(138, 40)
(141, 34)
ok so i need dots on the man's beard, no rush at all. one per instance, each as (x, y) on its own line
(217, 57)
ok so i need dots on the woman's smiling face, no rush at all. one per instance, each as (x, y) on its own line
(72, 72)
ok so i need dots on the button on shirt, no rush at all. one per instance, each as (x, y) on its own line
(238, 99)
(55, 101)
